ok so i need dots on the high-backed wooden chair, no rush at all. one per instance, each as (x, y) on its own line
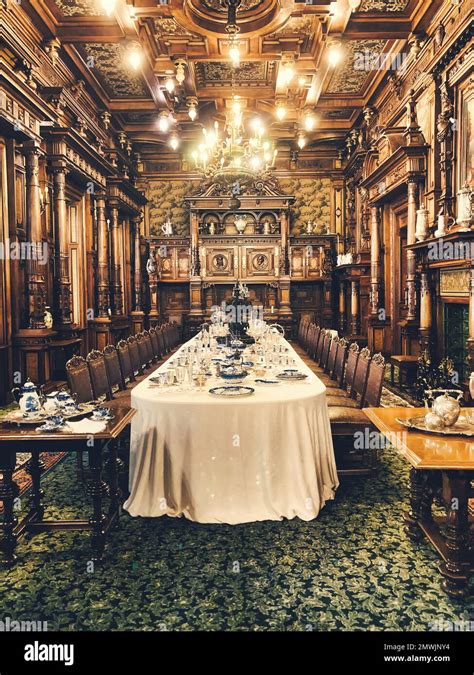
(98, 372)
(142, 351)
(79, 380)
(348, 376)
(161, 341)
(135, 356)
(373, 390)
(320, 345)
(125, 361)
(357, 395)
(314, 346)
(149, 347)
(324, 354)
(114, 372)
(155, 344)
(336, 378)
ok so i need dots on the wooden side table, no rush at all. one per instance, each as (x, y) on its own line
(14, 439)
(438, 464)
(407, 366)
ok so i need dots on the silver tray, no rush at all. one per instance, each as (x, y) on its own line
(462, 427)
(16, 416)
(291, 376)
(232, 391)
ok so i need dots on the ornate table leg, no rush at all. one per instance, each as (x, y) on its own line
(456, 488)
(114, 465)
(420, 503)
(35, 469)
(97, 489)
(9, 490)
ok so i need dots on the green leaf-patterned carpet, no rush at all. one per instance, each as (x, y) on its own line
(353, 568)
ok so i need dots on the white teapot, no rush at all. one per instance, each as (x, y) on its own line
(27, 397)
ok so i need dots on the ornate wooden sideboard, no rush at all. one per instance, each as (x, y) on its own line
(240, 230)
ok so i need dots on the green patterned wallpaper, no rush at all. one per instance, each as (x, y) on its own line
(313, 198)
(312, 195)
(166, 197)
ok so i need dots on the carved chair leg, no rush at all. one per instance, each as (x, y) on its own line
(35, 469)
(9, 491)
(456, 490)
(97, 490)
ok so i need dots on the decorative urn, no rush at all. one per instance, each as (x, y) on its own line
(240, 224)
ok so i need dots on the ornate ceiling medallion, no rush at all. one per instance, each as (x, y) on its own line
(253, 14)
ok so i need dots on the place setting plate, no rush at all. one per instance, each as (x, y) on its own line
(232, 391)
(263, 382)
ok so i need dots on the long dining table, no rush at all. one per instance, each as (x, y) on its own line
(268, 456)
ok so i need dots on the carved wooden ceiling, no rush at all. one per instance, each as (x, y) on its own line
(271, 31)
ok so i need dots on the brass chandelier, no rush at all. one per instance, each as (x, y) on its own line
(234, 153)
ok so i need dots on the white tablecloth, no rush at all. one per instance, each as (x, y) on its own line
(266, 457)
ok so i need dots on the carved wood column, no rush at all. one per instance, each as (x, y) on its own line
(426, 319)
(63, 279)
(412, 205)
(103, 295)
(137, 312)
(375, 281)
(342, 305)
(284, 310)
(35, 271)
(354, 327)
(445, 136)
(470, 340)
(116, 267)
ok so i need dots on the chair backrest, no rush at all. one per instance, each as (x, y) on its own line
(333, 349)
(149, 347)
(112, 365)
(361, 374)
(135, 357)
(325, 351)
(125, 361)
(98, 372)
(338, 373)
(166, 337)
(155, 343)
(373, 390)
(300, 328)
(161, 341)
(304, 332)
(352, 358)
(79, 380)
(142, 350)
(317, 335)
(321, 343)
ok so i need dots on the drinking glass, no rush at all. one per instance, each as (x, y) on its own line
(170, 377)
(201, 379)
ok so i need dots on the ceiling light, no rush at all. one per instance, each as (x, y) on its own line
(234, 54)
(256, 163)
(180, 73)
(108, 6)
(309, 121)
(134, 56)
(164, 121)
(174, 142)
(334, 53)
(192, 105)
(280, 111)
(169, 84)
(302, 81)
(236, 105)
(288, 71)
(301, 142)
(354, 4)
